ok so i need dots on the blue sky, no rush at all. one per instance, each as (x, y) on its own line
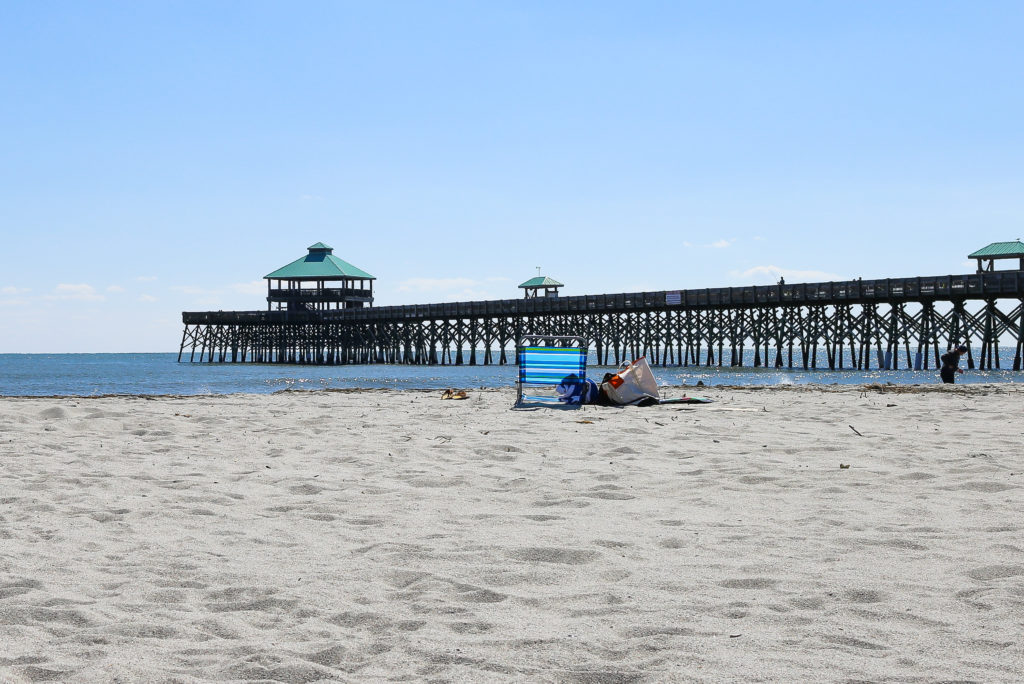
(157, 157)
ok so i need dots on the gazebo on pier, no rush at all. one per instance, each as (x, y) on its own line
(317, 282)
(999, 250)
(533, 286)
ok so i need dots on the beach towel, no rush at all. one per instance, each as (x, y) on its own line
(686, 400)
(572, 391)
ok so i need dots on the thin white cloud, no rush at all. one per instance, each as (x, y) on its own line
(639, 286)
(115, 288)
(467, 295)
(147, 298)
(255, 287)
(11, 290)
(310, 198)
(235, 296)
(717, 244)
(771, 274)
(76, 291)
(146, 279)
(459, 289)
(437, 284)
(190, 290)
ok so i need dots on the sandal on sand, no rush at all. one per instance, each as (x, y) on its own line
(461, 394)
(447, 394)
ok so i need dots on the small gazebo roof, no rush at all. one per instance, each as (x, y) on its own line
(541, 281)
(1000, 250)
(320, 263)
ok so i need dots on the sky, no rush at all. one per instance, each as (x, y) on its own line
(160, 157)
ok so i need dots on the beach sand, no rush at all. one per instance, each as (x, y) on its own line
(382, 535)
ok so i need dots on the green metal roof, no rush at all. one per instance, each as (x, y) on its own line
(319, 263)
(541, 281)
(999, 250)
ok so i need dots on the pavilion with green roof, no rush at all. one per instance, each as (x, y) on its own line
(533, 286)
(302, 285)
(998, 250)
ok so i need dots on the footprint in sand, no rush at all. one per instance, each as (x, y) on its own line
(34, 673)
(855, 643)
(808, 603)
(995, 572)
(410, 625)
(368, 521)
(143, 631)
(305, 490)
(757, 479)
(749, 583)
(554, 555)
(332, 657)
(472, 594)
(603, 493)
(403, 579)
(284, 672)
(865, 596)
(985, 487)
(471, 627)
(239, 599)
(375, 623)
(19, 587)
(645, 632)
(437, 482)
(46, 616)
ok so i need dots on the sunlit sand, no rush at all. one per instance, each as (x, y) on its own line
(378, 535)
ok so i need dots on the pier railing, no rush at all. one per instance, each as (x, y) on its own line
(975, 286)
(327, 294)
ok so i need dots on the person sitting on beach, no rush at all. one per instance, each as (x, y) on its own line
(951, 364)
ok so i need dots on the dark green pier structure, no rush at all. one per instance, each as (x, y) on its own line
(320, 311)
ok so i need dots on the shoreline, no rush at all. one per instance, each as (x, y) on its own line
(125, 375)
(961, 388)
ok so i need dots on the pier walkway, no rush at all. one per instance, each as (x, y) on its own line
(853, 324)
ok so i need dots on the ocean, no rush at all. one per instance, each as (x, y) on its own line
(161, 374)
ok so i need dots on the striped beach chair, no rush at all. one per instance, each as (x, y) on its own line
(545, 362)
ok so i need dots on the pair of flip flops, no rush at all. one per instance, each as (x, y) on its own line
(454, 394)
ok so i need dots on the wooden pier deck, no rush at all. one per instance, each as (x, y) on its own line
(881, 323)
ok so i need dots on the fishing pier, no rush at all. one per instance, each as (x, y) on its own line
(888, 323)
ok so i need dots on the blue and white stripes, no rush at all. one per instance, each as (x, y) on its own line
(551, 365)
